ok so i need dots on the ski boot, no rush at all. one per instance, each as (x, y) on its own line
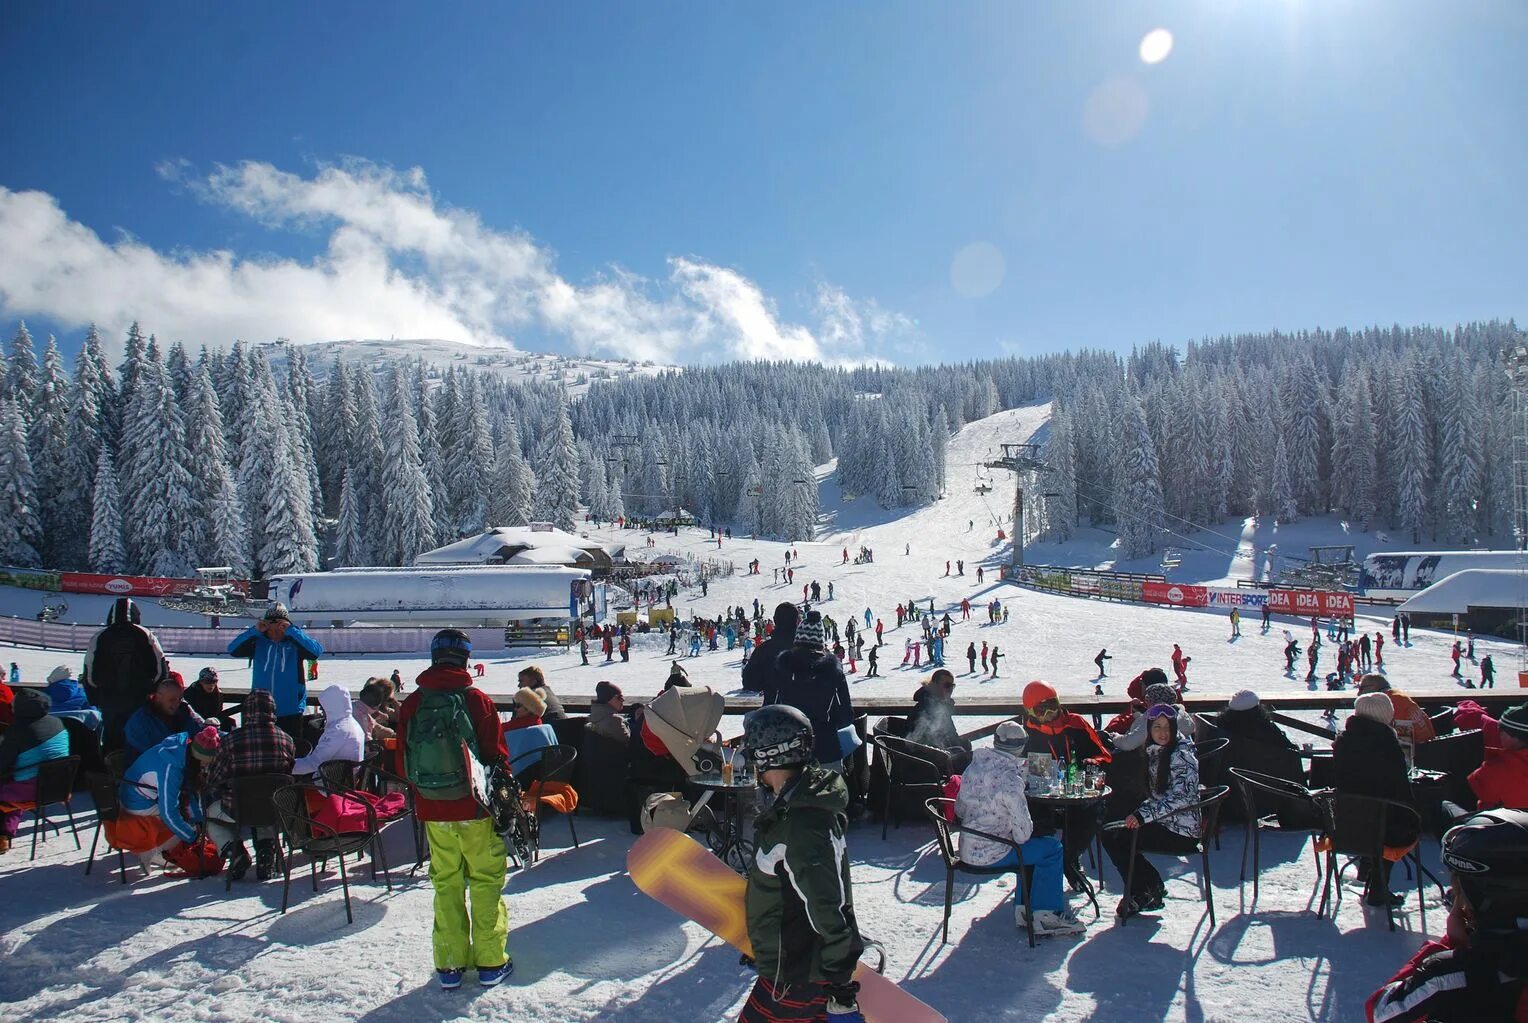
(265, 858)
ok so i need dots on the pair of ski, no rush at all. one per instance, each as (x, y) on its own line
(677, 871)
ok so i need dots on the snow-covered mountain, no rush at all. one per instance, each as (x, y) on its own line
(574, 372)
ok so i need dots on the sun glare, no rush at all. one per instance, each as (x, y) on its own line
(1156, 45)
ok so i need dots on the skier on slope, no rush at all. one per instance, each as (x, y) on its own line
(800, 901)
(1103, 655)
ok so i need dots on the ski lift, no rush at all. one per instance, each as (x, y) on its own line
(983, 487)
(1171, 558)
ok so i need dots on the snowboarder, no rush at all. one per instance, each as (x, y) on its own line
(1487, 673)
(971, 657)
(801, 923)
(443, 715)
(1235, 623)
(1103, 655)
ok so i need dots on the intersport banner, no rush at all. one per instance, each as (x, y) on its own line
(1322, 603)
(133, 585)
(1238, 598)
(1172, 593)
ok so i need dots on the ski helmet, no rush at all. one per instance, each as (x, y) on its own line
(451, 647)
(1488, 854)
(777, 736)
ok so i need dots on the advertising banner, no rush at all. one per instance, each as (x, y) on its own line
(1054, 581)
(29, 578)
(1120, 588)
(134, 585)
(1238, 598)
(1172, 593)
(1321, 603)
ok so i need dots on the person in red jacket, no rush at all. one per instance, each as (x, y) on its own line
(1476, 972)
(467, 857)
(1502, 780)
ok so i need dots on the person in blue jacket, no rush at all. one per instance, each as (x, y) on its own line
(162, 784)
(165, 713)
(277, 649)
(35, 736)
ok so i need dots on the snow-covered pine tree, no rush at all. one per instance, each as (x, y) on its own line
(179, 369)
(1060, 512)
(1353, 451)
(333, 441)
(1459, 456)
(162, 531)
(749, 514)
(436, 471)
(134, 354)
(1138, 506)
(513, 491)
(1303, 406)
(557, 473)
(108, 550)
(1412, 448)
(22, 373)
(472, 463)
(299, 394)
(796, 489)
(365, 459)
(221, 530)
(350, 546)
(227, 534)
(48, 444)
(86, 431)
(20, 529)
(1281, 488)
(408, 512)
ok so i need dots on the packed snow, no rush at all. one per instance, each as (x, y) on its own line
(588, 946)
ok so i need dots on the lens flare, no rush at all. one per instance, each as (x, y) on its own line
(977, 270)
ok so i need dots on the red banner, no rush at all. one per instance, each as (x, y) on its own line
(1172, 593)
(1320, 603)
(134, 585)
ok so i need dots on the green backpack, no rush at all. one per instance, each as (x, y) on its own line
(440, 738)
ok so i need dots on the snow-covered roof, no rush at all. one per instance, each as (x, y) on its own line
(540, 545)
(1473, 587)
(677, 514)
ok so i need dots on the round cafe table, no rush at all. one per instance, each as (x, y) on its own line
(1062, 806)
(728, 843)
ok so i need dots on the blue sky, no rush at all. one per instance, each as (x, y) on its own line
(689, 181)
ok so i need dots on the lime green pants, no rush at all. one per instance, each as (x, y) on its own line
(467, 864)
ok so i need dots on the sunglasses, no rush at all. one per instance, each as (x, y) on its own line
(1161, 710)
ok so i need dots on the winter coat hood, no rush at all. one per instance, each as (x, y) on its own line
(683, 718)
(259, 710)
(31, 705)
(123, 612)
(444, 678)
(802, 658)
(336, 703)
(67, 694)
(820, 789)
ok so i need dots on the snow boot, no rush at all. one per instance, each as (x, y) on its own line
(492, 975)
(237, 859)
(450, 979)
(1051, 923)
(265, 858)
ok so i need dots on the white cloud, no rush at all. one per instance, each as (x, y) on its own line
(398, 263)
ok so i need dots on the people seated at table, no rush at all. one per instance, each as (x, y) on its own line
(342, 738)
(1158, 694)
(1407, 714)
(932, 721)
(206, 699)
(1258, 744)
(992, 799)
(370, 710)
(1164, 822)
(160, 796)
(165, 714)
(532, 677)
(1367, 760)
(1071, 739)
(34, 737)
(1502, 779)
(257, 746)
(607, 714)
(1476, 972)
(529, 707)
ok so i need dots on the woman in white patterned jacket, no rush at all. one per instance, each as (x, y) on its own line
(1172, 774)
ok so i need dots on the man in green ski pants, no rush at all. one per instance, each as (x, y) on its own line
(467, 857)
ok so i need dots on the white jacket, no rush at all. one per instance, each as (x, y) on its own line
(992, 800)
(343, 738)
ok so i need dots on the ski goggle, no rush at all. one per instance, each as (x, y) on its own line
(1162, 710)
(1045, 710)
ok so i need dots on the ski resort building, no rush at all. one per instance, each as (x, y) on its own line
(1486, 601)
(540, 543)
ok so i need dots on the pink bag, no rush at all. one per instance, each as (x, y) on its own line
(346, 814)
(952, 793)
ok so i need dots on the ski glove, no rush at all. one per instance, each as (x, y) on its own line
(843, 1003)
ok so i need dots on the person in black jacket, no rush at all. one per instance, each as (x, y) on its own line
(1257, 744)
(1367, 760)
(811, 680)
(932, 721)
(761, 673)
(123, 667)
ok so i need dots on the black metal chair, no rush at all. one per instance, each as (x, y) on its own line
(355, 777)
(103, 793)
(937, 808)
(1211, 754)
(1455, 755)
(554, 767)
(1263, 796)
(1210, 800)
(316, 840)
(55, 787)
(911, 768)
(1356, 827)
(254, 807)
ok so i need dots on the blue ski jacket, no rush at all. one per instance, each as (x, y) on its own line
(277, 667)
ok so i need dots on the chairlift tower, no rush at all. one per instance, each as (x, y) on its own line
(1517, 371)
(1018, 459)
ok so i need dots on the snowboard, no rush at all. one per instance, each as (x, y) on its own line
(686, 877)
